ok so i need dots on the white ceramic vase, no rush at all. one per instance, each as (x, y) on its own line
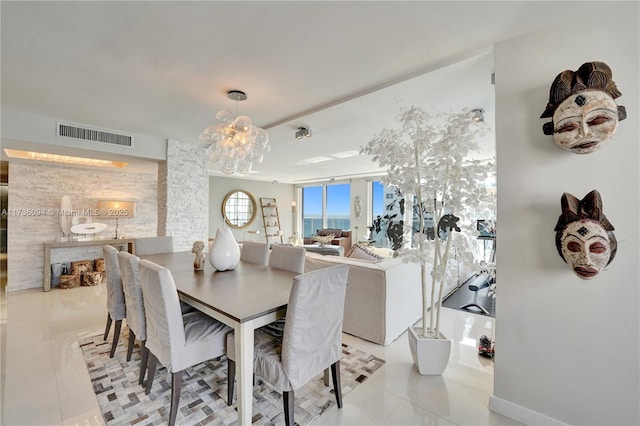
(65, 215)
(225, 252)
(430, 355)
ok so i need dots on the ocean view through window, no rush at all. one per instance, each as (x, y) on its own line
(338, 199)
(325, 206)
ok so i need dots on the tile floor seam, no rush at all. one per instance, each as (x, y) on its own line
(57, 374)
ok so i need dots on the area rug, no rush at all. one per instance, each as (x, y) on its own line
(204, 390)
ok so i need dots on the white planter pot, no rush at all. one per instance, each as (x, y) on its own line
(430, 355)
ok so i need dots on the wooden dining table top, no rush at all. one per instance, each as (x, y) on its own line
(244, 293)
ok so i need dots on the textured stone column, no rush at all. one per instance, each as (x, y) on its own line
(183, 194)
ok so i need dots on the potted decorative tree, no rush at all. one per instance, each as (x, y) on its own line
(428, 158)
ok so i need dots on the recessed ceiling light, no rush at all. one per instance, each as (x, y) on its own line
(65, 159)
(313, 160)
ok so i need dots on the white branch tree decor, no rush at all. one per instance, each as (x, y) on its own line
(428, 157)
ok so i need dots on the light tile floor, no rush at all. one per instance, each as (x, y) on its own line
(46, 381)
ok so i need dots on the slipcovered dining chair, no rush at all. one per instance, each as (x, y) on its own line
(287, 258)
(177, 341)
(154, 245)
(254, 252)
(312, 338)
(136, 320)
(116, 309)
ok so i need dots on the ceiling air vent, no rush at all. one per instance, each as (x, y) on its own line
(94, 135)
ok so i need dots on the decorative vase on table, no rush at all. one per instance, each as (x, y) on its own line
(323, 239)
(430, 355)
(225, 252)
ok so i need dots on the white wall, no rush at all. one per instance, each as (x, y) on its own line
(567, 349)
(219, 187)
(359, 187)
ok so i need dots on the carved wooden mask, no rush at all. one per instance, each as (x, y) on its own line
(583, 108)
(584, 236)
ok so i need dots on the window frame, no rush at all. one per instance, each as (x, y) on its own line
(324, 186)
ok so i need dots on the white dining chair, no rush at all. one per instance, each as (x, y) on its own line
(136, 320)
(311, 341)
(154, 245)
(177, 341)
(255, 252)
(116, 309)
(289, 258)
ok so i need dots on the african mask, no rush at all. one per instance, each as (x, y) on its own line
(582, 106)
(584, 236)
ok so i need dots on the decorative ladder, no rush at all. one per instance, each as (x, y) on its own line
(271, 220)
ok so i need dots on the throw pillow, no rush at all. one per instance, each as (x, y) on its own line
(360, 252)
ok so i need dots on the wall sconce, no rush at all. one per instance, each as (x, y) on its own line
(117, 209)
(303, 132)
(357, 208)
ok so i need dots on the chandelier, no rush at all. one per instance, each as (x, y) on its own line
(234, 141)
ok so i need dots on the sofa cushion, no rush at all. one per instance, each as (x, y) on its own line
(360, 252)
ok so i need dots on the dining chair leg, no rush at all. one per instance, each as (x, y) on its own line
(106, 330)
(176, 387)
(144, 361)
(337, 387)
(231, 380)
(116, 336)
(151, 372)
(288, 400)
(132, 341)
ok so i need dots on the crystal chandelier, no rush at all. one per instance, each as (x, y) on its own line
(234, 141)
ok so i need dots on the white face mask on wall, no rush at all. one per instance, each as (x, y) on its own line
(586, 248)
(585, 121)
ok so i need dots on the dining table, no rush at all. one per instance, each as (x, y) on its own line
(245, 298)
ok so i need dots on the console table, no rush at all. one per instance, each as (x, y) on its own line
(50, 245)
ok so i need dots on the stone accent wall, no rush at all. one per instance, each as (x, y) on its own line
(35, 191)
(183, 195)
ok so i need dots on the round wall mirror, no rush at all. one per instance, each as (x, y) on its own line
(239, 208)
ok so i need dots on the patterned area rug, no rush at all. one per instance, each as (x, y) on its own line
(204, 390)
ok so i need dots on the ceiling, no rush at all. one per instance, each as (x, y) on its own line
(341, 68)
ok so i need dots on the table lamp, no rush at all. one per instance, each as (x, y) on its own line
(117, 209)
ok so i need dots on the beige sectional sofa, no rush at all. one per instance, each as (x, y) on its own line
(383, 297)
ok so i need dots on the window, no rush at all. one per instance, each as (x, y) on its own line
(388, 216)
(311, 210)
(338, 206)
(326, 206)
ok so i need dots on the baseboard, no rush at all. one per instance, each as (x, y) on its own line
(521, 414)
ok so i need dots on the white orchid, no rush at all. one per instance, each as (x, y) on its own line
(428, 158)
